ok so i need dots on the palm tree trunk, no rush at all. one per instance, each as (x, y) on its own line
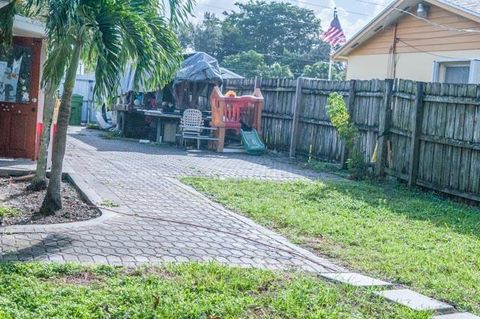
(39, 181)
(53, 198)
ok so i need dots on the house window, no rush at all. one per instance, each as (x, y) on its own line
(457, 72)
(15, 73)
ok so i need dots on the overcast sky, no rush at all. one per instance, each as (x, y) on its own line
(353, 14)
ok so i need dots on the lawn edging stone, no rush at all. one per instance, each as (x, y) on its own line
(354, 279)
(459, 315)
(415, 301)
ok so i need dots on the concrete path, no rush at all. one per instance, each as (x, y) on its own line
(143, 181)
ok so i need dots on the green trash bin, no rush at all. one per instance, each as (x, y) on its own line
(76, 114)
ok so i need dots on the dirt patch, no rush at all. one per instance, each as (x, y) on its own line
(83, 278)
(22, 205)
(145, 271)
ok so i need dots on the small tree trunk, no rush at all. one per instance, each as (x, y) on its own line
(53, 198)
(39, 181)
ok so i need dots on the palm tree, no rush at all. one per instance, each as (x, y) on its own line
(39, 180)
(109, 34)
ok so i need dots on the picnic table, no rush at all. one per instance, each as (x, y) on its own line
(166, 124)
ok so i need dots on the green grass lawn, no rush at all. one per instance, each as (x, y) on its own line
(383, 229)
(210, 291)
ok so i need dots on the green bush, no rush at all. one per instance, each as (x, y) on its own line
(340, 118)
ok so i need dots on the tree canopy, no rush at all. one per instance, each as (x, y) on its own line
(270, 28)
(279, 38)
(319, 70)
(251, 64)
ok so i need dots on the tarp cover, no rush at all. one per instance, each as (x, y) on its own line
(200, 67)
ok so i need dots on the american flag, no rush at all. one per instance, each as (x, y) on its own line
(334, 35)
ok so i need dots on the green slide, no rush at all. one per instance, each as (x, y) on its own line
(252, 143)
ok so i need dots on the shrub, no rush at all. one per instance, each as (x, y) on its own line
(340, 118)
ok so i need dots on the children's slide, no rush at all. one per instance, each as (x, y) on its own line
(252, 143)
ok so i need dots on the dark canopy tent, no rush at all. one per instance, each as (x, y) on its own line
(198, 75)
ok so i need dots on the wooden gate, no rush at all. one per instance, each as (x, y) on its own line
(19, 88)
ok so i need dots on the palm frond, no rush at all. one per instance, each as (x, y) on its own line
(180, 10)
(58, 58)
(106, 46)
(33, 8)
(115, 33)
(62, 16)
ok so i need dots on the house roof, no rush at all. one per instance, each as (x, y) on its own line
(471, 6)
(393, 12)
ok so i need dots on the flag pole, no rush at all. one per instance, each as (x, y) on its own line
(330, 65)
(333, 36)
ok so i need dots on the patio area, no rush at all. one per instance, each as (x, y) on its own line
(153, 217)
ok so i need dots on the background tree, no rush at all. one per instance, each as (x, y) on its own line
(273, 28)
(276, 70)
(319, 70)
(207, 36)
(185, 35)
(251, 64)
(246, 63)
(282, 32)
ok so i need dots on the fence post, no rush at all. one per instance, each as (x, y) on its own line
(296, 115)
(416, 124)
(350, 106)
(384, 128)
(258, 83)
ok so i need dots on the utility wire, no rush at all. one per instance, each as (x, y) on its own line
(317, 5)
(438, 25)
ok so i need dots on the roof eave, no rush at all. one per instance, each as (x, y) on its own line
(465, 12)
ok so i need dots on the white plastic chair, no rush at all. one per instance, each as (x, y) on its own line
(192, 125)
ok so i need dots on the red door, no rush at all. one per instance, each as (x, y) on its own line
(19, 88)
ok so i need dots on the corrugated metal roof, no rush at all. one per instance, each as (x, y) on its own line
(472, 6)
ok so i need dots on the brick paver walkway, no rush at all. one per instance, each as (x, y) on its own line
(143, 181)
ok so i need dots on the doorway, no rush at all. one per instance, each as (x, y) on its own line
(19, 89)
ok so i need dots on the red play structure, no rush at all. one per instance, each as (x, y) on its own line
(232, 113)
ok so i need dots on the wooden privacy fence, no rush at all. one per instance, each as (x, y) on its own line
(426, 133)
